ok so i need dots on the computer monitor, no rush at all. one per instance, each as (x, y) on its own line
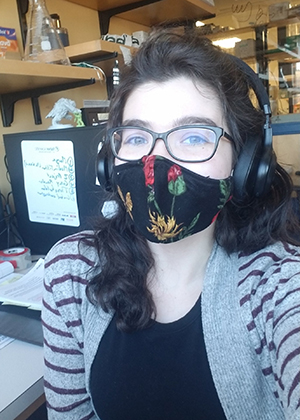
(3, 240)
(53, 181)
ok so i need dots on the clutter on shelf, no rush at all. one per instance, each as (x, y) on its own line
(63, 108)
(8, 43)
(134, 40)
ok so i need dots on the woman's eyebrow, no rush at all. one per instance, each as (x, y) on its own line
(136, 123)
(186, 120)
(192, 119)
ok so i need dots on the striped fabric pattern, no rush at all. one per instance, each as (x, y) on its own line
(64, 305)
(270, 299)
(268, 288)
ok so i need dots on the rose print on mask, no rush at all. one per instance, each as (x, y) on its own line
(163, 227)
(176, 187)
(148, 162)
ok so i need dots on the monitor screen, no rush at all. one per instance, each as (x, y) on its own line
(53, 181)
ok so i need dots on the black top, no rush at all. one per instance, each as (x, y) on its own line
(160, 373)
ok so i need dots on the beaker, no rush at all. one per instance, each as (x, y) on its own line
(42, 41)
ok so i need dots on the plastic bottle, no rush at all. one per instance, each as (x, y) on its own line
(42, 41)
(7, 267)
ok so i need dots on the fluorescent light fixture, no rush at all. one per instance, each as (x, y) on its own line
(227, 42)
(198, 23)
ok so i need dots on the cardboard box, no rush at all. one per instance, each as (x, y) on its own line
(8, 43)
(278, 11)
(245, 48)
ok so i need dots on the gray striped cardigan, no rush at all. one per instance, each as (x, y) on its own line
(251, 323)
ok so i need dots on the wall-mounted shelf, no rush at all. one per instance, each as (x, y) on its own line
(266, 51)
(97, 51)
(247, 29)
(169, 10)
(102, 54)
(148, 12)
(22, 79)
(103, 4)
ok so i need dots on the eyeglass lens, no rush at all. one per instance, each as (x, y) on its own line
(192, 143)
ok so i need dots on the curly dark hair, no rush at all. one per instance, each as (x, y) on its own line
(242, 226)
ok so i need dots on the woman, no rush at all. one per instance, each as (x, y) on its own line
(184, 303)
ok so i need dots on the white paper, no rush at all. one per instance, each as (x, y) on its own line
(50, 182)
(24, 290)
(4, 341)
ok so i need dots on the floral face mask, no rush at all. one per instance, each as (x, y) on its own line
(168, 202)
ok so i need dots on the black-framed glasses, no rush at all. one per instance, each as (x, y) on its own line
(187, 143)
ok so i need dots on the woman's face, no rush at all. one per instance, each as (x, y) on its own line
(163, 106)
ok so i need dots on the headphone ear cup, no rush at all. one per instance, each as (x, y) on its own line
(254, 170)
(265, 173)
(244, 175)
(104, 167)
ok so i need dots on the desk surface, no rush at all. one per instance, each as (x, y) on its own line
(21, 378)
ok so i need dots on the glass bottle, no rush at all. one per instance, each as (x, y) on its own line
(62, 32)
(42, 41)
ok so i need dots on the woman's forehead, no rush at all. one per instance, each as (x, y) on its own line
(165, 102)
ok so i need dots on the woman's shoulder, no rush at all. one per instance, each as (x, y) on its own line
(269, 274)
(269, 298)
(76, 247)
(71, 260)
(277, 257)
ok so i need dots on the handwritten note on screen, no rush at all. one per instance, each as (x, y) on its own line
(50, 182)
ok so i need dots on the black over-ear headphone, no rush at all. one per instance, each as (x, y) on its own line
(256, 164)
(104, 165)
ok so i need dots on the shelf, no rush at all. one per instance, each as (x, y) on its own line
(19, 75)
(246, 29)
(169, 10)
(154, 13)
(102, 5)
(22, 79)
(91, 50)
(102, 53)
(281, 56)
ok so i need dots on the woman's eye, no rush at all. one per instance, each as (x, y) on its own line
(197, 138)
(194, 139)
(134, 140)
